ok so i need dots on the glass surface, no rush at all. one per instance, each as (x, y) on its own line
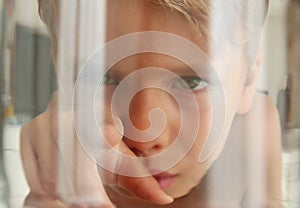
(150, 103)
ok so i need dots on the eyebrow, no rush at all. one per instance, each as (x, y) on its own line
(199, 64)
(204, 71)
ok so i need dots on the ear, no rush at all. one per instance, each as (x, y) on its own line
(249, 90)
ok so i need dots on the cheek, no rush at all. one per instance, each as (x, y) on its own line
(205, 114)
(233, 92)
(209, 113)
(205, 111)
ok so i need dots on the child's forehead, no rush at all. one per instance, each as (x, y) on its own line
(202, 27)
(140, 15)
(134, 16)
(211, 70)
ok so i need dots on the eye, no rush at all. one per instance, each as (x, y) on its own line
(110, 80)
(190, 82)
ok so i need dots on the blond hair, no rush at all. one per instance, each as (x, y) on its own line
(248, 15)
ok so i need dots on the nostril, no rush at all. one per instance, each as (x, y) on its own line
(157, 147)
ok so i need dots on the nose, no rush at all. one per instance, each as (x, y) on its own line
(139, 110)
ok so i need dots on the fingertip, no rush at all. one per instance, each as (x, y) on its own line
(112, 134)
(168, 199)
(162, 198)
(147, 189)
(159, 196)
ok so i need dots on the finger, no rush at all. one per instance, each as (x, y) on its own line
(88, 183)
(34, 200)
(45, 146)
(108, 163)
(30, 162)
(145, 188)
(79, 184)
(66, 161)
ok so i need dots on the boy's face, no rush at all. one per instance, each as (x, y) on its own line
(125, 17)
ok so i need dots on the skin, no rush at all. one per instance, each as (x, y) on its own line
(238, 78)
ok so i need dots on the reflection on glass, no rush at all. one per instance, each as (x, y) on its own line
(290, 114)
(157, 103)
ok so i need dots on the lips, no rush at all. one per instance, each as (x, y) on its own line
(165, 180)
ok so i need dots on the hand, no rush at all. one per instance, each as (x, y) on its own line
(60, 170)
(55, 172)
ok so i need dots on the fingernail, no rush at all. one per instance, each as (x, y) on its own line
(164, 198)
(168, 199)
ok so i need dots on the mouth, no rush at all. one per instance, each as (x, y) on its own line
(165, 180)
